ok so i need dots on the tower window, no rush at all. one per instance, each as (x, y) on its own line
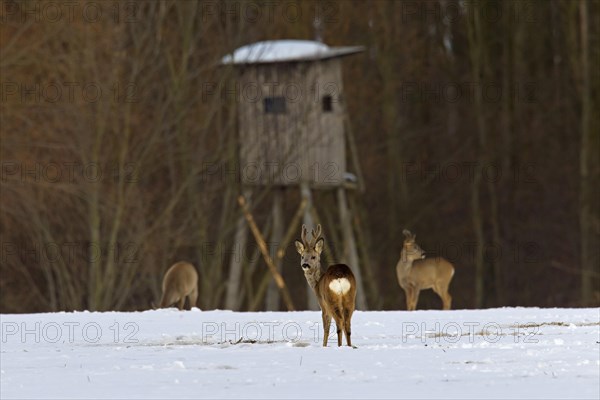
(327, 103)
(275, 105)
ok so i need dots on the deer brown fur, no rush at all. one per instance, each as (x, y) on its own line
(335, 288)
(180, 281)
(415, 273)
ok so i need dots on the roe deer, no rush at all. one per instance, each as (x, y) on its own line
(415, 273)
(180, 281)
(335, 288)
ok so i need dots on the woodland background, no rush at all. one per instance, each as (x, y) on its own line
(476, 125)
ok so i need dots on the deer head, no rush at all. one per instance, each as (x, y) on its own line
(411, 250)
(310, 251)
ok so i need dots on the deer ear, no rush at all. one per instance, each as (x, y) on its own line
(319, 245)
(299, 247)
(406, 233)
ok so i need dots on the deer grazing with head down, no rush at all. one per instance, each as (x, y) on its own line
(180, 281)
(415, 273)
(335, 288)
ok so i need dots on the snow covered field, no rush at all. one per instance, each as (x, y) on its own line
(492, 353)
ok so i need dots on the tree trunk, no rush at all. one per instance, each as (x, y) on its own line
(585, 214)
(476, 55)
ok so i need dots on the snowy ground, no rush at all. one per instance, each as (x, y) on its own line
(493, 353)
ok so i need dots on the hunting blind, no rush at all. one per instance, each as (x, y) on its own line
(293, 132)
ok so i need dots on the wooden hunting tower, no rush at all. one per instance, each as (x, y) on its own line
(293, 131)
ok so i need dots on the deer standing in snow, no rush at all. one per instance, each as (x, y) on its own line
(180, 281)
(335, 288)
(415, 273)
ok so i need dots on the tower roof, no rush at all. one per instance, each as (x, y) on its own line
(273, 51)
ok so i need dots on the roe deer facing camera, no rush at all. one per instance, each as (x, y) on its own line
(335, 288)
(180, 281)
(415, 273)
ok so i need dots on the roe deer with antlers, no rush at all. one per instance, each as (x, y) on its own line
(415, 273)
(180, 281)
(335, 288)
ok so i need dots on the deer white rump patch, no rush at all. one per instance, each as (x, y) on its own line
(340, 285)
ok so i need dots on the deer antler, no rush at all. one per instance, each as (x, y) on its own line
(303, 236)
(408, 235)
(316, 234)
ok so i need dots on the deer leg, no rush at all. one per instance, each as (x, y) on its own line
(193, 298)
(181, 303)
(339, 325)
(347, 319)
(412, 298)
(408, 294)
(448, 298)
(338, 316)
(444, 295)
(326, 327)
(416, 298)
(447, 301)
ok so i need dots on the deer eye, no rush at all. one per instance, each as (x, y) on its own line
(313, 257)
